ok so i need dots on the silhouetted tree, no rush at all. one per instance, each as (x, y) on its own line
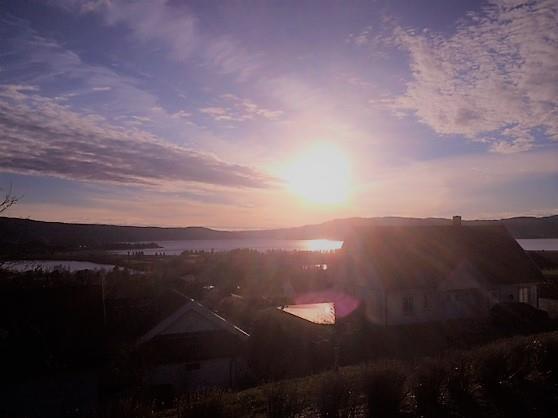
(9, 200)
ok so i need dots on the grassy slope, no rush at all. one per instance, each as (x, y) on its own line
(511, 377)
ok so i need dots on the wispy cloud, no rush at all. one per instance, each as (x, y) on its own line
(119, 96)
(229, 57)
(40, 61)
(173, 26)
(233, 108)
(364, 37)
(102, 88)
(42, 136)
(149, 20)
(494, 80)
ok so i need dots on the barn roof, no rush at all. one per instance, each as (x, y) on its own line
(427, 256)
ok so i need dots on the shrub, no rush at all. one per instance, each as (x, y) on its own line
(202, 404)
(428, 383)
(283, 401)
(505, 364)
(519, 359)
(459, 382)
(129, 408)
(384, 389)
(547, 358)
(518, 317)
(491, 368)
(336, 397)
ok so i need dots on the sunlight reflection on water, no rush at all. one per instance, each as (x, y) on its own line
(323, 245)
(258, 244)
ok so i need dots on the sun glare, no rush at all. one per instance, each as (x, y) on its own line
(321, 175)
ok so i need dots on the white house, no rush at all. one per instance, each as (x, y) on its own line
(420, 274)
(192, 348)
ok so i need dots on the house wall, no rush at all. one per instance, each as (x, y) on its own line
(418, 306)
(374, 305)
(221, 372)
(510, 293)
(412, 306)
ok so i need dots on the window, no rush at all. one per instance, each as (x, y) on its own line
(524, 294)
(408, 305)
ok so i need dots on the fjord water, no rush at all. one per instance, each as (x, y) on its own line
(262, 244)
(177, 247)
(258, 244)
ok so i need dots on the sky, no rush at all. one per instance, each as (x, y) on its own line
(251, 114)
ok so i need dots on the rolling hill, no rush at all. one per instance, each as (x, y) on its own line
(19, 231)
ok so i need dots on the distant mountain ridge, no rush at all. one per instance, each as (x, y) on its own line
(16, 230)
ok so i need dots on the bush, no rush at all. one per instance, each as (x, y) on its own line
(428, 383)
(491, 368)
(384, 389)
(336, 397)
(501, 365)
(129, 408)
(520, 357)
(547, 358)
(459, 383)
(201, 404)
(283, 401)
(518, 317)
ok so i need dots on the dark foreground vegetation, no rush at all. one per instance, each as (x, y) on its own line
(514, 377)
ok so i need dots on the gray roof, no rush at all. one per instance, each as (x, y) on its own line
(427, 256)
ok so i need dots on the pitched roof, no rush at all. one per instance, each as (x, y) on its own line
(172, 324)
(276, 322)
(318, 313)
(427, 256)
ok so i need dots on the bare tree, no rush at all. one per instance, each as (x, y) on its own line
(6, 202)
(9, 200)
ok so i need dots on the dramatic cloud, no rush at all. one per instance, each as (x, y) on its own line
(494, 80)
(41, 136)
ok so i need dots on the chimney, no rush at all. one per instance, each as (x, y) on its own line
(457, 220)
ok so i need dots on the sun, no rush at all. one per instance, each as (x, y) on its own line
(321, 175)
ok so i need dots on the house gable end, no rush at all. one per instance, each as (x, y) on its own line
(190, 322)
(191, 318)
